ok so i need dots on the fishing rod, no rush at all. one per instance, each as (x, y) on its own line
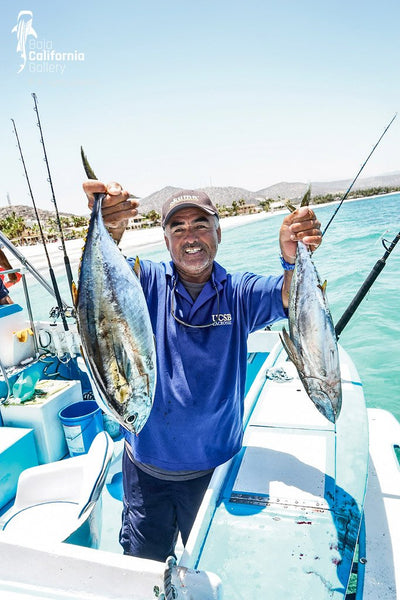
(49, 179)
(51, 271)
(354, 304)
(356, 177)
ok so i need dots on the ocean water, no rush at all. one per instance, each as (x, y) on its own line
(350, 249)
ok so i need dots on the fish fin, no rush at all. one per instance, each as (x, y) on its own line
(322, 287)
(290, 206)
(88, 169)
(74, 292)
(291, 350)
(136, 267)
(304, 202)
(307, 197)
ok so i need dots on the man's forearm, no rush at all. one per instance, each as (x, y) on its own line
(4, 261)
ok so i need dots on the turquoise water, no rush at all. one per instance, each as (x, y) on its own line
(351, 247)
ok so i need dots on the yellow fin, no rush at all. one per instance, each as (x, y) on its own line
(74, 291)
(136, 267)
(323, 286)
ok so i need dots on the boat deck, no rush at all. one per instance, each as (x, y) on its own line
(259, 528)
(382, 509)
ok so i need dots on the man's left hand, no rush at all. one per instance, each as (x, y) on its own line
(300, 225)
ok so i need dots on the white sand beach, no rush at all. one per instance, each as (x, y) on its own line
(134, 241)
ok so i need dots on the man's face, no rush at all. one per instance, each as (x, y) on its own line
(192, 237)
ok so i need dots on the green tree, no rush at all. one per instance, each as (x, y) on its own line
(12, 226)
(266, 204)
(79, 221)
(154, 216)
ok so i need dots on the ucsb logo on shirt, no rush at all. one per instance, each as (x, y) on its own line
(222, 319)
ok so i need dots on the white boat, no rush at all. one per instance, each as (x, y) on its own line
(291, 516)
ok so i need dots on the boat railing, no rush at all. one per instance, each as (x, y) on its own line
(28, 266)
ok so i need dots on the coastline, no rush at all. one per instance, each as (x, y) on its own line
(136, 241)
(133, 242)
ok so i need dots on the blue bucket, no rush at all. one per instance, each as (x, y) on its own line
(81, 422)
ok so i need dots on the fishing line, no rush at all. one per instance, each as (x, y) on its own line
(51, 272)
(356, 177)
(49, 179)
(366, 286)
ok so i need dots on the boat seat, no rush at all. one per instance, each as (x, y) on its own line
(59, 501)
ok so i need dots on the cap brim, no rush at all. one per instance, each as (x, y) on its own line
(205, 209)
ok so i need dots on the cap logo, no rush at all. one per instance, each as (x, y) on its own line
(184, 199)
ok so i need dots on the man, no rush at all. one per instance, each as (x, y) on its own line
(4, 295)
(5, 265)
(201, 317)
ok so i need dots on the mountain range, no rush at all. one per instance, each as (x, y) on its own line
(283, 190)
(227, 195)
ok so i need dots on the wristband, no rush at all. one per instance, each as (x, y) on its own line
(285, 265)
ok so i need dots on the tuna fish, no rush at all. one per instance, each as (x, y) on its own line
(312, 345)
(115, 328)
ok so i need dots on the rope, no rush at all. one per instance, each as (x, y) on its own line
(169, 590)
(278, 374)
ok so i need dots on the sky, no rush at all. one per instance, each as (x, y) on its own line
(196, 93)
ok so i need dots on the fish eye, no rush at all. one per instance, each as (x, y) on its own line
(131, 419)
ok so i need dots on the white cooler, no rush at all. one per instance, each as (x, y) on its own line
(41, 414)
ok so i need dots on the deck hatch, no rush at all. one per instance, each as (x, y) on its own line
(288, 467)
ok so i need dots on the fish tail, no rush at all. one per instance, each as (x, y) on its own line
(307, 197)
(304, 202)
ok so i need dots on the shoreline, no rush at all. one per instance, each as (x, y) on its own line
(133, 241)
(136, 240)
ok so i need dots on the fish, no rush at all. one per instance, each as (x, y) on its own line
(23, 29)
(311, 343)
(115, 328)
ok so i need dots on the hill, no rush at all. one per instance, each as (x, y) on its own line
(227, 195)
(28, 213)
(283, 190)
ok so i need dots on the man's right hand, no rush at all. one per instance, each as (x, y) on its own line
(117, 208)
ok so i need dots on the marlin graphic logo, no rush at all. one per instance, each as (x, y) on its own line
(23, 29)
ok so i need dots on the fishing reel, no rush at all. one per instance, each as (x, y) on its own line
(68, 312)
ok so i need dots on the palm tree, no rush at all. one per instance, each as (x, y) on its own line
(13, 226)
(153, 216)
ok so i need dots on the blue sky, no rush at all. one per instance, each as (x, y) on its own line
(198, 93)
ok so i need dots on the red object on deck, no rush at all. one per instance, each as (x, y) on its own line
(9, 283)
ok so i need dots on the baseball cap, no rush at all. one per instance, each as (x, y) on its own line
(186, 199)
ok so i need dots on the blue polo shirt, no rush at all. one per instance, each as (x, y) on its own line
(196, 420)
